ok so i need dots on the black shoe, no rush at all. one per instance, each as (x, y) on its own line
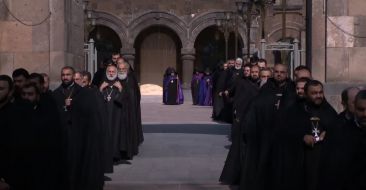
(106, 178)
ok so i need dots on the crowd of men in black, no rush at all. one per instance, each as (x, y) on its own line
(285, 135)
(68, 138)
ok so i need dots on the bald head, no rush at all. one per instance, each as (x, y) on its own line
(280, 73)
(348, 99)
(302, 72)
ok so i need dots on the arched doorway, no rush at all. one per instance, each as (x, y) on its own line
(284, 56)
(106, 40)
(210, 48)
(157, 48)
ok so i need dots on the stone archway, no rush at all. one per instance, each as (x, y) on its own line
(157, 48)
(113, 22)
(206, 38)
(106, 41)
(206, 20)
(172, 38)
(293, 31)
(154, 18)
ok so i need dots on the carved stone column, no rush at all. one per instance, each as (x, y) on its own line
(129, 55)
(188, 57)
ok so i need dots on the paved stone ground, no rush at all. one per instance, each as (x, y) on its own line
(183, 149)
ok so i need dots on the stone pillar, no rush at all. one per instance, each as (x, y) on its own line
(129, 55)
(66, 39)
(318, 41)
(188, 57)
(296, 53)
(263, 48)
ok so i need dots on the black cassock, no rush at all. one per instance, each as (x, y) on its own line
(195, 88)
(17, 142)
(82, 136)
(343, 165)
(47, 162)
(222, 108)
(135, 97)
(235, 74)
(113, 127)
(243, 93)
(131, 117)
(297, 163)
(261, 127)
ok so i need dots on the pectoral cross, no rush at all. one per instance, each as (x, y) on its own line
(109, 98)
(315, 123)
(278, 104)
(67, 103)
(279, 95)
(316, 133)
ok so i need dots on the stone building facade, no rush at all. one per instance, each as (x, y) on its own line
(187, 19)
(339, 45)
(41, 36)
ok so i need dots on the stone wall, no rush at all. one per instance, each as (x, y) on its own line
(41, 36)
(130, 9)
(339, 43)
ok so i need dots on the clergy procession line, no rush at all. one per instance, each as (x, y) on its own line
(284, 133)
(70, 137)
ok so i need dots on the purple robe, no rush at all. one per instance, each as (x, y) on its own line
(205, 92)
(166, 81)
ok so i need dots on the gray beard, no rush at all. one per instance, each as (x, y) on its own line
(237, 67)
(111, 78)
(122, 76)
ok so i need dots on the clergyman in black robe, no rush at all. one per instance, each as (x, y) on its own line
(46, 158)
(195, 86)
(243, 93)
(348, 97)
(222, 111)
(261, 126)
(111, 89)
(82, 129)
(343, 165)
(16, 138)
(131, 115)
(237, 72)
(308, 124)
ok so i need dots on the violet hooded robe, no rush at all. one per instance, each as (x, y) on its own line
(169, 83)
(205, 93)
(195, 87)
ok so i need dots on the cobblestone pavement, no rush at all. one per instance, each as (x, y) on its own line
(183, 149)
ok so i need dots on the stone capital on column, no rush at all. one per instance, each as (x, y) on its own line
(127, 51)
(129, 55)
(188, 51)
(188, 57)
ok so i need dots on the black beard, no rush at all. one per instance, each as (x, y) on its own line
(254, 79)
(67, 84)
(313, 104)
